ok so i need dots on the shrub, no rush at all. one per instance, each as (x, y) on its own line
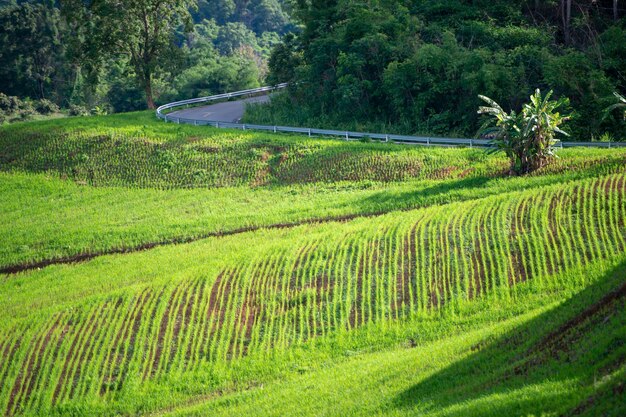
(99, 111)
(5, 102)
(45, 106)
(527, 137)
(76, 110)
(124, 96)
(26, 111)
(10, 104)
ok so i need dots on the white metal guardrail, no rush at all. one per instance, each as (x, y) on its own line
(160, 109)
(346, 135)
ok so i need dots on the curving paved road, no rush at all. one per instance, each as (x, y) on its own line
(228, 111)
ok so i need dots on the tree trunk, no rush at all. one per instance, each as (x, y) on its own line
(148, 91)
(566, 12)
(615, 14)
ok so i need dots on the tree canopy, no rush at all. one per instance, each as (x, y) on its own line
(128, 55)
(418, 66)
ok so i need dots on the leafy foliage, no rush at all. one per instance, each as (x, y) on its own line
(13, 108)
(528, 137)
(419, 66)
(100, 54)
(30, 51)
(621, 104)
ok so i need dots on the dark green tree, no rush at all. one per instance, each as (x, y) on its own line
(418, 66)
(31, 52)
(284, 60)
(141, 30)
(232, 36)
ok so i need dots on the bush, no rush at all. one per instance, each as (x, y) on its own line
(76, 110)
(26, 111)
(99, 111)
(5, 102)
(45, 106)
(10, 104)
(125, 96)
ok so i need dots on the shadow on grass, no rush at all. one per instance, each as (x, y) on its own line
(548, 365)
(475, 187)
(440, 192)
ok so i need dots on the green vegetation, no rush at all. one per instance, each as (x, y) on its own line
(419, 66)
(553, 359)
(247, 180)
(378, 279)
(621, 103)
(128, 157)
(396, 66)
(226, 311)
(527, 138)
(99, 57)
(14, 109)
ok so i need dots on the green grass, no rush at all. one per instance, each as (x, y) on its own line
(225, 311)
(498, 369)
(116, 151)
(50, 168)
(113, 154)
(451, 290)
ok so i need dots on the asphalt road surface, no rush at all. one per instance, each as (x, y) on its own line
(228, 111)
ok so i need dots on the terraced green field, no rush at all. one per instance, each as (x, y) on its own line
(369, 279)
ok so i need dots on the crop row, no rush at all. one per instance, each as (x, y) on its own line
(334, 164)
(114, 159)
(118, 159)
(377, 271)
(147, 159)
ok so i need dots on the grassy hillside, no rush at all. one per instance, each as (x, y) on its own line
(113, 168)
(454, 290)
(558, 359)
(118, 151)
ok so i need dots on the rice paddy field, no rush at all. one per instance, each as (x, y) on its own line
(156, 269)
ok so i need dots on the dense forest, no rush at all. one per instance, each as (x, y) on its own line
(418, 66)
(407, 66)
(97, 56)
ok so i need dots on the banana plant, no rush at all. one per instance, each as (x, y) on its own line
(621, 103)
(528, 138)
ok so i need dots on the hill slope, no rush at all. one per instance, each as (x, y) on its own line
(447, 294)
(566, 358)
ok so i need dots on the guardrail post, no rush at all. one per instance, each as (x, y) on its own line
(427, 141)
(471, 144)
(165, 118)
(609, 144)
(217, 124)
(309, 132)
(386, 138)
(195, 122)
(244, 127)
(178, 120)
(346, 135)
(274, 129)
